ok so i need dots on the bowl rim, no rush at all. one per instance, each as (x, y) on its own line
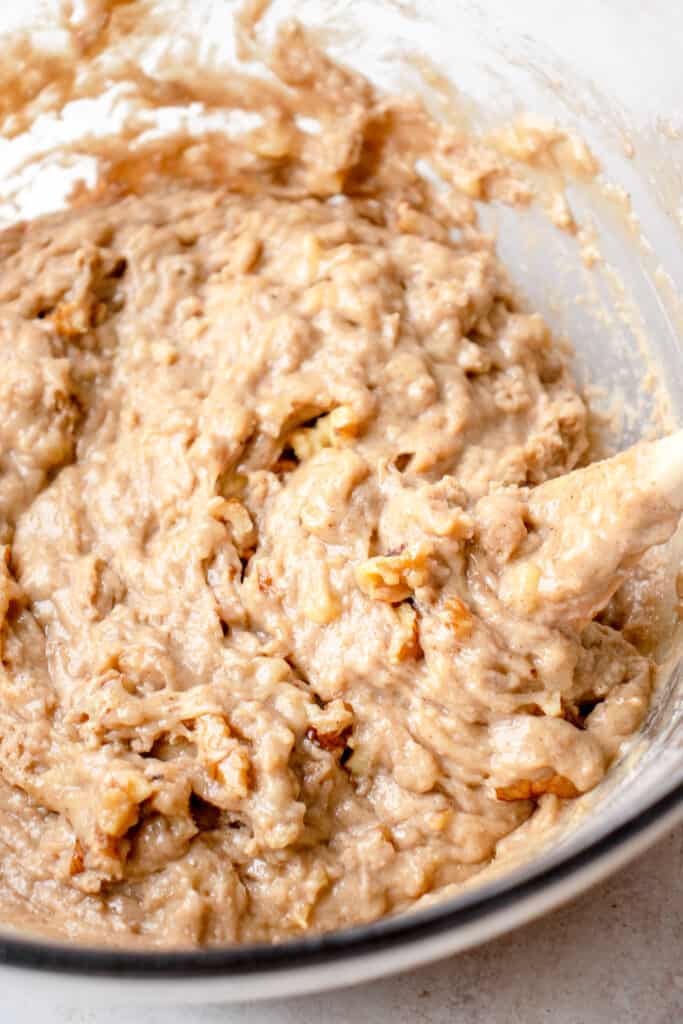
(514, 889)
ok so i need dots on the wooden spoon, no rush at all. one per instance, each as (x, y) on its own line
(588, 527)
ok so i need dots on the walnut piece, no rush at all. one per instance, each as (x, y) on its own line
(394, 577)
(528, 789)
(458, 617)
(333, 430)
(223, 757)
(405, 643)
(72, 319)
(237, 521)
(120, 806)
(331, 725)
(77, 861)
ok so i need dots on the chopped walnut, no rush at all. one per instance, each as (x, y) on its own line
(106, 851)
(77, 861)
(334, 430)
(458, 617)
(345, 422)
(213, 738)
(331, 725)
(238, 521)
(120, 803)
(224, 757)
(234, 772)
(72, 319)
(395, 577)
(529, 789)
(405, 643)
(329, 741)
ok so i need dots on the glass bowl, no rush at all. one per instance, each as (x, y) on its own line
(573, 64)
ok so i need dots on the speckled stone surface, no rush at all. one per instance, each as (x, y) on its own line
(613, 955)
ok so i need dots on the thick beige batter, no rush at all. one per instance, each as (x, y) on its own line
(264, 456)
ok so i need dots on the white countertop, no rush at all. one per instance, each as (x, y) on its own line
(613, 956)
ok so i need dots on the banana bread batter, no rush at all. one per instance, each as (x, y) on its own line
(264, 454)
